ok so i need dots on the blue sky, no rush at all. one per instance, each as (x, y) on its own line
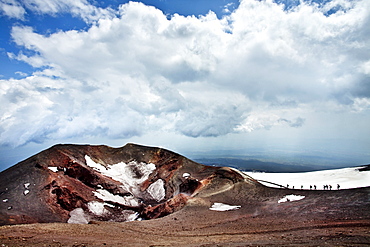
(45, 22)
(281, 76)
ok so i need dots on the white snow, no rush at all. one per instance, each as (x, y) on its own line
(6, 200)
(124, 200)
(217, 206)
(132, 217)
(346, 177)
(289, 198)
(53, 168)
(26, 186)
(125, 173)
(186, 175)
(97, 208)
(157, 191)
(78, 216)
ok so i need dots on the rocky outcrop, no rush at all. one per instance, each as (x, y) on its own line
(81, 183)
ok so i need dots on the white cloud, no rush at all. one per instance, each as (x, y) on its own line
(35, 60)
(361, 104)
(20, 73)
(12, 9)
(271, 117)
(228, 8)
(262, 67)
(79, 8)
(304, 52)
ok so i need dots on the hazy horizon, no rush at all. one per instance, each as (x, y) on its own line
(310, 160)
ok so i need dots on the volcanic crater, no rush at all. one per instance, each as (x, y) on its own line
(77, 184)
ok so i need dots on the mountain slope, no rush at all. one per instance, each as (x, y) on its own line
(79, 183)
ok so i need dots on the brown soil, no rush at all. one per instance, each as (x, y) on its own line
(331, 218)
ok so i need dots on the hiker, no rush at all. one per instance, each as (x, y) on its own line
(301, 187)
(310, 187)
(314, 187)
(338, 186)
(330, 187)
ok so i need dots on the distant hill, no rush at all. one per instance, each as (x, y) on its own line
(258, 165)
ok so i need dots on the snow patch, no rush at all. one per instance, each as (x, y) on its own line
(157, 190)
(26, 192)
(289, 198)
(123, 200)
(186, 175)
(6, 200)
(217, 206)
(97, 208)
(131, 175)
(133, 217)
(78, 216)
(53, 168)
(27, 185)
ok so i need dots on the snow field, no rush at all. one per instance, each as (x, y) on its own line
(346, 178)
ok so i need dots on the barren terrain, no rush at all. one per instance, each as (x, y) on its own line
(49, 187)
(331, 219)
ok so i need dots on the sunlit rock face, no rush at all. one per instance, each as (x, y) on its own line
(82, 183)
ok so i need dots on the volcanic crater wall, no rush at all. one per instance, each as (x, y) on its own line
(80, 183)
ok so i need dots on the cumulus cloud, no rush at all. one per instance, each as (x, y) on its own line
(138, 71)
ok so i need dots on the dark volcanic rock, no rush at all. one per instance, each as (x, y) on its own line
(80, 183)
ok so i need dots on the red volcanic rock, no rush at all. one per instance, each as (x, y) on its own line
(79, 183)
(168, 207)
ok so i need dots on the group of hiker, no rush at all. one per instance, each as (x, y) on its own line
(326, 187)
